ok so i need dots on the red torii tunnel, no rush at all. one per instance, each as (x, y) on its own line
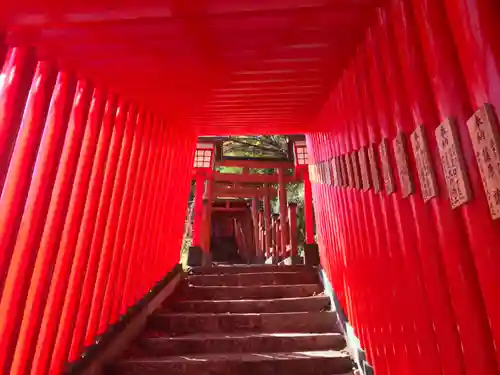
(101, 104)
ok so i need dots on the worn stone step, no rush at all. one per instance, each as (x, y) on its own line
(249, 279)
(244, 268)
(184, 323)
(292, 363)
(251, 292)
(314, 303)
(238, 343)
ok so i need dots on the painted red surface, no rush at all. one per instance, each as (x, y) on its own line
(100, 107)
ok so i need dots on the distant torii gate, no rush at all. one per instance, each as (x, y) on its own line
(275, 235)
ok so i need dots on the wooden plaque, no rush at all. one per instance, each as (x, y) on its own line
(355, 170)
(485, 137)
(403, 165)
(425, 170)
(452, 161)
(321, 172)
(350, 174)
(338, 160)
(328, 172)
(375, 174)
(345, 175)
(312, 172)
(333, 168)
(388, 176)
(365, 172)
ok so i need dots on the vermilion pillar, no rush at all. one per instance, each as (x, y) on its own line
(471, 262)
(19, 67)
(267, 222)
(283, 208)
(207, 222)
(262, 235)
(198, 208)
(475, 28)
(292, 214)
(308, 209)
(67, 244)
(36, 209)
(12, 205)
(276, 236)
(255, 220)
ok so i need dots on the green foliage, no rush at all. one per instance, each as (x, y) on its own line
(271, 146)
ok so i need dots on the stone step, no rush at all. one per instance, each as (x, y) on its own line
(251, 292)
(292, 363)
(238, 343)
(249, 279)
(301, 322)
(315, 303)
(244, 268)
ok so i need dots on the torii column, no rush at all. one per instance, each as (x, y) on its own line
(308, 209)
(311, 250)
(207, 221)
(255, 219)
(283, 208)
(267, 222)
(196, 252)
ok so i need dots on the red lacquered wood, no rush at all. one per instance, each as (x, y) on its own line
(47, 251)
(18, 206)
(83, 244)
(115, 173)
(15, 82)
(114, 237)
(34, 218)
(451, 99)
(69, 236)
(475, 30)
(442, 240)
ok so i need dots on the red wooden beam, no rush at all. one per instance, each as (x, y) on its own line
(252, 178)
(255, 164)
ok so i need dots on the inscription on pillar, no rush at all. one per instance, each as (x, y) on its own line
(388, 176)
(403, 165)
(485, 137)
(355, 170)
(365, 172)
(423, 159)
(375, 174)
(450, 153)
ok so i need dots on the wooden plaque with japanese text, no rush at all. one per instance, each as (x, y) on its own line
(365, 171)
(425, 170)
(403, 165)
(350, 174)
(356, 170)
(375, 174)
(484, 134)
(388, 176)
(450, 153)
(345, 174)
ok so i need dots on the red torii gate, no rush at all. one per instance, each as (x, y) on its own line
(100, 110)
(210, 185)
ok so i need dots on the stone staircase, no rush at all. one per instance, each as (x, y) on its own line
(239, 320)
